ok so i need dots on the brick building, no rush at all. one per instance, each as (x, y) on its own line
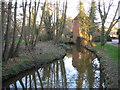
(76, 28)
(77, 32)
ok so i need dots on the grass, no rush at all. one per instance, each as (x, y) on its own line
(15, 69)
(22, 41)
(109, 50)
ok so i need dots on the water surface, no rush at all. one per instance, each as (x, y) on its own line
(78, 69)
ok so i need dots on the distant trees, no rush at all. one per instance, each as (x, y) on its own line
(60, 21)
(54, 21)
(25, 29)
(31, 34)
(103, 15)
(68, 28)
(49, 27)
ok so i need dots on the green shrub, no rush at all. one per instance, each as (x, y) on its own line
(96, 39)
(43, 37)
(109, 38)
(63, 45)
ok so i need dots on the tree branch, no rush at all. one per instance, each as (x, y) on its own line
(113, 23)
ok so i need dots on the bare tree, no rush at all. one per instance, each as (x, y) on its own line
(103, 14)
(7, 34)
(23, 24)
(41, 20)
(33, 30)
(11, 52)
(2, 21)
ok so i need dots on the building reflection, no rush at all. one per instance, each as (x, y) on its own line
(82, 60)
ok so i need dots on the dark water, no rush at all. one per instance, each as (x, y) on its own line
(78, 69)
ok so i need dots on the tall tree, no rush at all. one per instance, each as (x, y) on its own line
(2, 21)
(11, 52)
(7, 33)
(33, 30)
(41, 20)
(103, 15)
(60, 21)
(24, 4)
(92, 16)
(118, 33)
(48, 25)
(84, 22)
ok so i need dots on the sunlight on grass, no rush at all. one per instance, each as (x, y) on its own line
(22, 41)
(109, 50)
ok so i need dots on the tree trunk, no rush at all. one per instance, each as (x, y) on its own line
(102, 35)
(118, 33)
(41, 20)
(2, 21)
(11, 52)
(6, 50)
(23, 24)
(119, 39)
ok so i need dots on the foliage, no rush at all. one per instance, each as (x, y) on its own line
(86, 22)
(97, 38)
(49, 27)
(92, 16)
(43, 37)
(83, 19)
(109, 38)
(67, 32)
(63, 45)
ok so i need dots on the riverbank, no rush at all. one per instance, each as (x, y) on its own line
(110, 63)
(44, 53)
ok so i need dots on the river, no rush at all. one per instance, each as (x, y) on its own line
(78, 69)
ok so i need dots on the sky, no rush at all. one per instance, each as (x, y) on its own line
(72, 10)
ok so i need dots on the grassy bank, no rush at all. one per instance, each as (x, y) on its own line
(109, 62)
(45, 52)
(109, 50)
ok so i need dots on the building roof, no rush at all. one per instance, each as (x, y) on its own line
(76, 18)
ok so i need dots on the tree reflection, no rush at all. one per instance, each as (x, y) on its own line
(40, 79)
(22, 84)
(30, 81)
(63, 72)
(55, 75)
(82, 60)
(15, 86)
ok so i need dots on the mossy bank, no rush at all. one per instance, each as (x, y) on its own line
(44, 53)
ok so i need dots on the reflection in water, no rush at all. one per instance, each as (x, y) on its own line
(82, 61)
(78, 69)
